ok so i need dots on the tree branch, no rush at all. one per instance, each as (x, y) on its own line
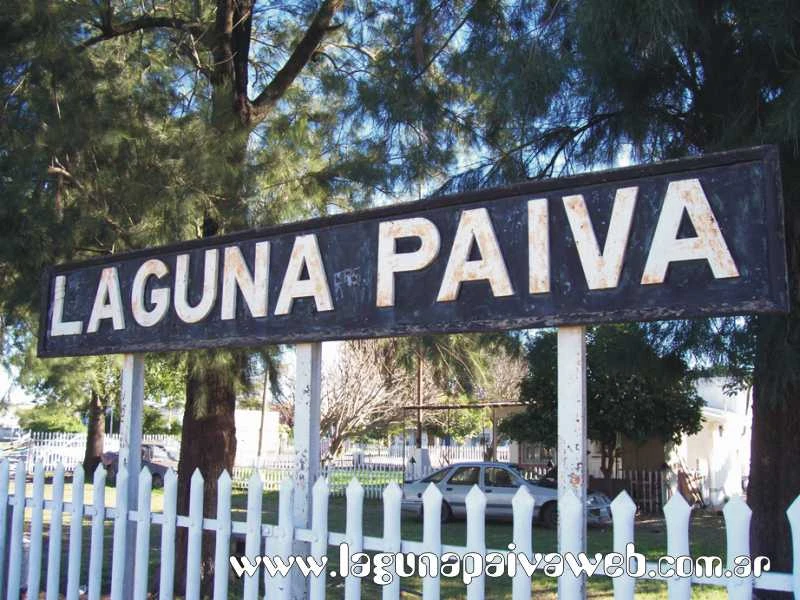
(109, 30)
(62, 172)
(319, 27)
(572, 133)
(441, 49)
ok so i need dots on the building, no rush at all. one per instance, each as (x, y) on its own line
(717, 457)
(720, 453)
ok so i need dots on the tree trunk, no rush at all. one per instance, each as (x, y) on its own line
(94, 436)
(775, 450)
(208, 444)
(208, 440)
(774, 477)
(607, 458)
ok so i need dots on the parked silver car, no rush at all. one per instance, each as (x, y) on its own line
(499, 481)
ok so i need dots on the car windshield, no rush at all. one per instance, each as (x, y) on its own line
(435, 477)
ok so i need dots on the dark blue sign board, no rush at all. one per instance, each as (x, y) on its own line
(679, 239)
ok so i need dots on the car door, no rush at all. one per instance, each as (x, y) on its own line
(458, 485)
(499, 485)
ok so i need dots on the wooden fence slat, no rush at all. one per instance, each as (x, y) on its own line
(319, 528)
(54, 534)
(222, 548)
(677, 513)
(431, 536)
(3, 517)
(522, 504)
(142, 559)
(166, 582)
(17, 517)
(252, 543)
(623, 512)
(37, 530)
(354, 534)
(284, 540)
(75, 535)
(476, 539)
(119, 558)
(392, 539)
(195, 537)
(98, 525)
(737, 534)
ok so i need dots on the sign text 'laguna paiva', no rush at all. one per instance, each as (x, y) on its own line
(678, 239)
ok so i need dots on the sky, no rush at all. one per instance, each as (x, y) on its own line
(18, 396)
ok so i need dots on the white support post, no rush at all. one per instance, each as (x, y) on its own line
(130, 448)
(572, 449)
(308, 379)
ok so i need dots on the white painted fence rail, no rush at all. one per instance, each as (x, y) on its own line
(22, 518)
(373, 478)
(67, 449)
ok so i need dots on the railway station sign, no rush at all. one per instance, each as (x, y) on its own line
(679, 239)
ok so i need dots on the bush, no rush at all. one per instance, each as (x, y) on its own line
(49, 417)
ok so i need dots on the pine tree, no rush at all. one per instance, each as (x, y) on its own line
(131, 124)
(566, 86)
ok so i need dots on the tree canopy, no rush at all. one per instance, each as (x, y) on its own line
(51, 418)
(632, 391)
(125, 123)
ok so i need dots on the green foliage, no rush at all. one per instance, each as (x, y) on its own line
(631, 390)
(165, 379)
(458, 362)
(50, 417)
(154, 422)
(68, 381)
(456, 424)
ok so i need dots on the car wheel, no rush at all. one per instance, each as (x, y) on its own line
(447, 513)
(550, 515)
(158, 481)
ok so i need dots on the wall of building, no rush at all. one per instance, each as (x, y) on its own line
(248, 425)
(720, 451)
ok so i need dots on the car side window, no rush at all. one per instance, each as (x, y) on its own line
(497, 477)
(435, 477)
(465, 476)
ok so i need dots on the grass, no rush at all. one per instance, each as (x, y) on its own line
(707, 537)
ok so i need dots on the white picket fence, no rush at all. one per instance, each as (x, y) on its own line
(440, 455)
(278, 539)
(373, 478)
(68, 449)
(52, 448)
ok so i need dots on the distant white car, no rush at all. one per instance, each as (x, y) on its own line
(499, 481)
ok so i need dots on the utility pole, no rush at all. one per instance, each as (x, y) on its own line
(419, 397)
(263, 409)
